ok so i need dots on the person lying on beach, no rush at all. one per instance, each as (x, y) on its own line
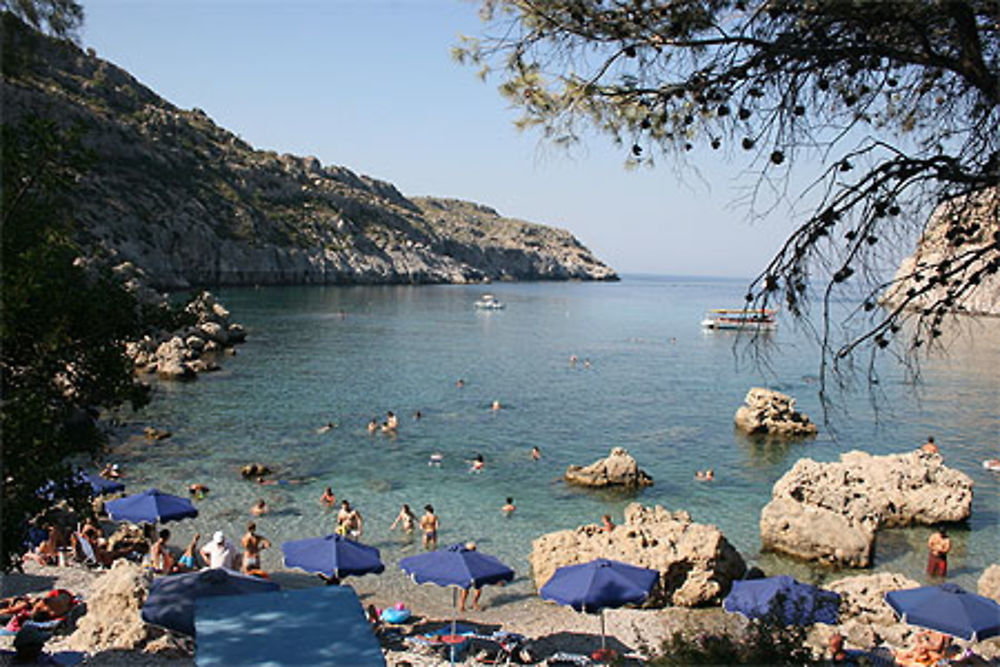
(253, 544)
(198, 490)
(259, 508)
(188, 560)
(328, 498)
(406, 518)
(54, 604)
(930, 648)
(509, 508)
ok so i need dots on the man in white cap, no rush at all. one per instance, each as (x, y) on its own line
(219, 552)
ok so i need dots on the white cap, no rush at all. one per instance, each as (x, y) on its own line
(218, 538)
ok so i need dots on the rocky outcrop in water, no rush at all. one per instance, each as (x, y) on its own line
(768, 412)
(192, 204)
(830, 511)
(696, 563)
(617, 469)
(956, 231)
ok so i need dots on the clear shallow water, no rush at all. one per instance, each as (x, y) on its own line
(658, 386)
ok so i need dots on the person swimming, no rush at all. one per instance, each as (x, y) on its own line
(373, 425)
(326, 428)
(328, 498)
(477, 464)
(536, 453)
(435, 459)
(495, 406)
(509, 508)
(705, 475)
(259, 508)
(198, 490)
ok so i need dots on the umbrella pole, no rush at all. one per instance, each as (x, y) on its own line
(454, 623)
(602, 631)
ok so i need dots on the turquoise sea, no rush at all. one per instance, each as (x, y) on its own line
(657, 384)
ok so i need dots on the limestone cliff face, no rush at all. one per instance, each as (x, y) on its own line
(975, 223)
(192, 204)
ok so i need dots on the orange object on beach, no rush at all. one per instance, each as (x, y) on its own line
(604, 655)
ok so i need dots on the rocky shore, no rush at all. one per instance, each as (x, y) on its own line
(830, 512)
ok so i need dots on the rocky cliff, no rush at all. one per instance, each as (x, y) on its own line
(957, 231)
(192, 204)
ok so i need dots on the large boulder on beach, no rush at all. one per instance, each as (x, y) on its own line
(172, 360)
(989, 583)
(865, 617)
(831, 511)
(768, 412)
(618, 469)
(112, 620)
(697, 564)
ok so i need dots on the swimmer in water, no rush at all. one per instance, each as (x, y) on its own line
(435, 459)
(373, 425)
(477, 464)
(198, 490)
(705, 475)
(259, 508)
(460, 383)
(328, 498)
(509, 508)
(327, 428)
(536, 453)
(495, 406)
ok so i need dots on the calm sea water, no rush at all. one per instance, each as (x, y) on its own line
(657, 385)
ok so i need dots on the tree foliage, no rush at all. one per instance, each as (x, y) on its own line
(897, 100)
(60, 18)
(63, 328)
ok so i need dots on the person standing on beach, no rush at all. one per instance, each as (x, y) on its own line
(938, 545)
(219, 552)
(253, 544)
(429, 524)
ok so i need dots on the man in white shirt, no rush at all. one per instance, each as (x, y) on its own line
(219, 552)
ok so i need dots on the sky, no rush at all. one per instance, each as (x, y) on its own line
(370, 85)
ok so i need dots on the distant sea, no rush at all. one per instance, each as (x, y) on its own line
(655, 383)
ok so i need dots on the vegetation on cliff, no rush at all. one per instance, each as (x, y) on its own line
(190, 203)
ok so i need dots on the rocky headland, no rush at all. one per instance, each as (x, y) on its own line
(697, 564)
(192, 204)
(830, 512)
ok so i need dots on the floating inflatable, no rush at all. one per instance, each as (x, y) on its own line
(393, 615)
(992, 464)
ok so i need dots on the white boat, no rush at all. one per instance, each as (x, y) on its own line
(759, 319)
(489, 302)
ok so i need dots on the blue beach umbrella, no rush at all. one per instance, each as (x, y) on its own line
(333, 555)
(150, 506)
(171, 599)
(791, 602)
(100, 485)
(947, 608)
(457, 566)
(598, 585)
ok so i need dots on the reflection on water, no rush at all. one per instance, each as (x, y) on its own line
(657, 385)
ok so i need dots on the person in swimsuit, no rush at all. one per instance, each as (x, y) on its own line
(607, 525)
(938, 545)
(188, 560)
(349, 521)
(477, 464)
(373, 425)
(429, 524)
(259, 508)
(536, 453)
(253, 544)
(198, 491)
(160, 558)
(509, 508)
(406, 518)
(328, 498)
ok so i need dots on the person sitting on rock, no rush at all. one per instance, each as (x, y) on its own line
(160, 558)
(929, 447)
(607, 525)
(111, 471)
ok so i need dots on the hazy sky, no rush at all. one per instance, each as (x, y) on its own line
(370, 85)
